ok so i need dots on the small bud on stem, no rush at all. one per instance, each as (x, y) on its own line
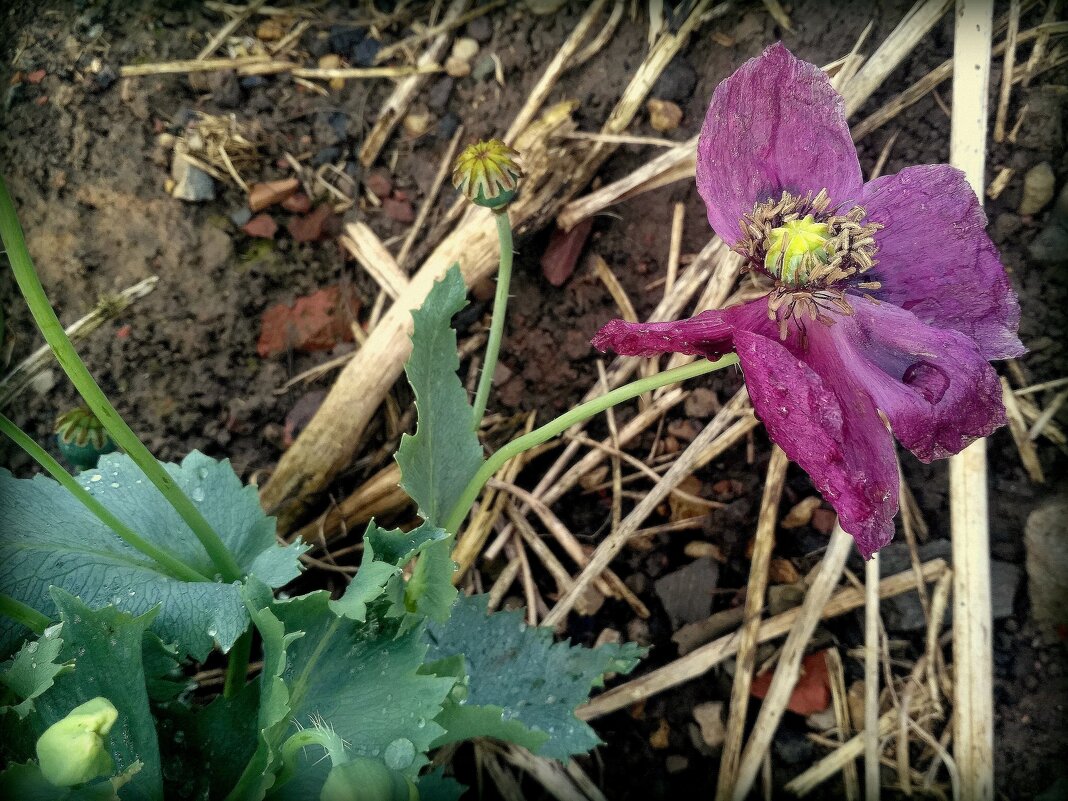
(488, 174)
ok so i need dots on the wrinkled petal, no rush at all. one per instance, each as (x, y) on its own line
(776, 124)
(935, 259)
(709, 334)
(830, 427)
(936, 388)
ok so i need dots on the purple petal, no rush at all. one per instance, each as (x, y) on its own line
(709, 334)
(829, 426)
(936, 388)
(935, 259)
(776, 124)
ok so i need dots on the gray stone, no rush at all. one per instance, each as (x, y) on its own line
(438, 96)
(480, 29)
(191, 183)
(1005, 579)
(483, 69)
(240, 216)
(687, 593)
(1046, 541)
(225, 89)
(793, 747)
(676, 83)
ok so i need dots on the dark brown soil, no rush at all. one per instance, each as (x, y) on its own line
(88, 177)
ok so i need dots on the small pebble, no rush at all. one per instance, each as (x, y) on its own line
(399, 210)
(676, 763)
(709, 717)
(480, 29)
(457, 67)
(664, 116)
(363, 55)
(240, 216)
(677, 82)
(1038, 189)
(438, 96)
(379, 182)
(465, 48)
(484, 69)
(447, 126)
(262, 226)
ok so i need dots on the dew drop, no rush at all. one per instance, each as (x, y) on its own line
(114, 484)
(197, 494)
(96, 477)
(400, 753)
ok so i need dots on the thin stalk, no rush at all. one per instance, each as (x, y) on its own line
(577, 415)
(52, 330)
(500, 311)
(171, 564)
(237, 666)
(26, 615)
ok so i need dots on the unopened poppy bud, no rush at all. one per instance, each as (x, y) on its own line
(366, 779)
(488, 174)
(72, 750)
(82, 439)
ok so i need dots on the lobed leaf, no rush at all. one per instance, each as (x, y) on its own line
(519, 670)
(363, 681)
(33, 670)
(47, 538)
(384, 554)
(443, 455)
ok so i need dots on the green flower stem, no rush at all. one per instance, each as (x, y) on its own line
(577, 415)
(172, 565)
(237, 666)
(500, 309)
(26, 615)
(95, 399)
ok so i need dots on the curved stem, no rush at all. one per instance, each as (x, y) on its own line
(26, 615)
(500, 311)
(52, 330)
(577, 415)
(237, 666)
(171, 564)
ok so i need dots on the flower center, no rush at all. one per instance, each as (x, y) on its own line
(794, 247)
(812, 253)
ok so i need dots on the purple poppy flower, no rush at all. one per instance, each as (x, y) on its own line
(885, 301)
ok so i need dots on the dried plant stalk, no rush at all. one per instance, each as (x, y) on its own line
(973, 709)
(404, 93)
(916, 24)
(107, 308)
(554, 171)
(754, 605)
(365, 246)
(789, 667)
(699, 661)
(608, 548)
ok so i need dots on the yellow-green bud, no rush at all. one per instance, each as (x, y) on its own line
(72, 750)
(791, 243)
(488, 174)
(365, 779)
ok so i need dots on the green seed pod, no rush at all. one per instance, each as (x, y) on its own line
(488, 174)
(82, 438)
(72, 750)
(365, 779)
